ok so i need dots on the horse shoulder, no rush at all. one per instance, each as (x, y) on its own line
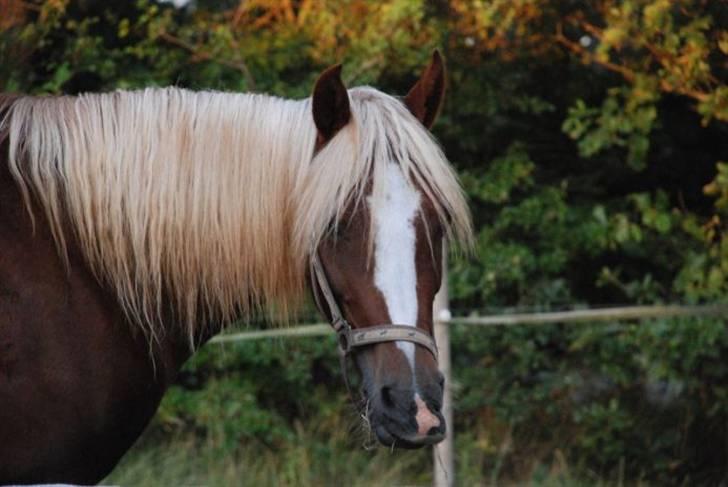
(77, 385)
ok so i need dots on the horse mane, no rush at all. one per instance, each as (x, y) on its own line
(207, 205)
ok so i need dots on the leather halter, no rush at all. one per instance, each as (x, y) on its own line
(350, 338)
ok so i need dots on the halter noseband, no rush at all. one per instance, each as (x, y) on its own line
(350, 338)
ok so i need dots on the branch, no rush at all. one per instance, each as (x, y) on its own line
(663, 57)
(627, 73)
(589, 57)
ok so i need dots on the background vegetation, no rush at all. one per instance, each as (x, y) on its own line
(592, 139)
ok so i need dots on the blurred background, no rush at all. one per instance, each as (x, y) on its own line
(592, 140)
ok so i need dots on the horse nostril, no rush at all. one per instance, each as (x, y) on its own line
(441, 381)
(387, 398)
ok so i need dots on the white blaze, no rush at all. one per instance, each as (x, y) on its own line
(394, 252)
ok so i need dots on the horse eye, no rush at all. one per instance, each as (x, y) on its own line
(336, 231)
(437, 227)
(341, 233)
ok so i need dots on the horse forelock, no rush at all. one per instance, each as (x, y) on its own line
(210, 203)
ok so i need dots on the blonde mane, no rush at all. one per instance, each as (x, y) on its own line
(207, 205)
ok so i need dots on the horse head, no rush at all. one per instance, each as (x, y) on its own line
(377, 270)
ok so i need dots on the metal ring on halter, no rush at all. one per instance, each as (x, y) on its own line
(343, 335)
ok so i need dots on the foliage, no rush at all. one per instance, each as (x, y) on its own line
(591, 140)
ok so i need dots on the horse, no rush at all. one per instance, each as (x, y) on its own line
(136, 225)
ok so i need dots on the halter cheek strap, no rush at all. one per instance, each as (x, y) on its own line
(350, 338)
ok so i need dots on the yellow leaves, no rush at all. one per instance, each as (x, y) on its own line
(304, 9)
(723, 42)
(123, 29)
(503, 26)
(656, 14)
(653, 39)
(613, 36)
(52, 8)
(718, 187)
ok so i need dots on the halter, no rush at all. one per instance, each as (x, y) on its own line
(349, 338)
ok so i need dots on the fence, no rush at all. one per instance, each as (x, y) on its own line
(443, 456)
(571, 316)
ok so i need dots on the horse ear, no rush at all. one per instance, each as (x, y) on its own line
(331, 110)
(425, 98)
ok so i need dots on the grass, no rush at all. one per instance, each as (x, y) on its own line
(313, 457)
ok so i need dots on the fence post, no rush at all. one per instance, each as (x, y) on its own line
(442, 453)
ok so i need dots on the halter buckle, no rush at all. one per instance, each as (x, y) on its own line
(343, 335)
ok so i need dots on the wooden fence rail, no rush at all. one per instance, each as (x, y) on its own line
(572, 316)
(598, 314)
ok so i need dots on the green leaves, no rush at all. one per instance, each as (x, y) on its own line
(505, 174)
(624, 120)
(718, 188)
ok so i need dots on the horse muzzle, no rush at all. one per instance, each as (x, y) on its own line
(402, 419)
